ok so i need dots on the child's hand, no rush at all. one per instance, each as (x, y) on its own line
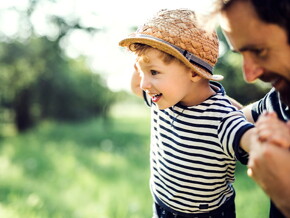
(135, 82)
(273, 130)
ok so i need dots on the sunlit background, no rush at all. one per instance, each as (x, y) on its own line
(74, 142)
(113, 19)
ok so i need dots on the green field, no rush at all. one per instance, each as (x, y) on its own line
(94, 169)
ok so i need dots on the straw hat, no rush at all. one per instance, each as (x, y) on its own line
(176, 32)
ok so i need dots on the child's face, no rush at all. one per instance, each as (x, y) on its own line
(166, 84)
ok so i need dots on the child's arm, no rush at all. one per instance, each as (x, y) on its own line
(135, 83)
(273, 130)
(234, 102)
(247, 139)
(268, 129)
(247, 110)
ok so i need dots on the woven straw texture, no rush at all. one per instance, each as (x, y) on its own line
(180, 28)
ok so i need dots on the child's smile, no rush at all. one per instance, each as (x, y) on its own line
(166, 83)
(155, 98)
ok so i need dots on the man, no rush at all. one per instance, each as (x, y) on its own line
(260, 31)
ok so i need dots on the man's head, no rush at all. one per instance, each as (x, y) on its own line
(269, 11)
(177, 33)
(259, 31)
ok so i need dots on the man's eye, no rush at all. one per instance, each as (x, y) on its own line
(153, 72)
(260, 52)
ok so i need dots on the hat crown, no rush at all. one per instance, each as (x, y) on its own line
(180, 28)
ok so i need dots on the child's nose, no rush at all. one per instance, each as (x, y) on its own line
(145, 83)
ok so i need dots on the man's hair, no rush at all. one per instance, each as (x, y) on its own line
(270, 11)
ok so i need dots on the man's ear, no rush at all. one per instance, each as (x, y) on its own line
(194, 77)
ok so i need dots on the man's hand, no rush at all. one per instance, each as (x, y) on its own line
(269, 159)
(273, 130)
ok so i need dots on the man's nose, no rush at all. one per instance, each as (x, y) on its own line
(252, 70)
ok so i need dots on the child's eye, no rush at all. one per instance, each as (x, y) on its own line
(153, 72)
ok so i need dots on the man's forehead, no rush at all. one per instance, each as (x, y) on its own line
(239, 46)
(240, 27)
(226, 1)
(225, 27)
(224, 22)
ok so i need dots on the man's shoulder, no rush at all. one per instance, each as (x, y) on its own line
(270, 102)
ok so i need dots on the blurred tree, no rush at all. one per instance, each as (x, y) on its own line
(37, 81)
(230, 66)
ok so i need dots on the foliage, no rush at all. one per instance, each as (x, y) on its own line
(39, 82)
(91, 169)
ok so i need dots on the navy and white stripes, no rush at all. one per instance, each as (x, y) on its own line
(193, 154)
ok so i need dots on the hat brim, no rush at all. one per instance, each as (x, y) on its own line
(170, 50)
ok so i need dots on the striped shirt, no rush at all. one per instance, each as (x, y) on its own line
(193, 153)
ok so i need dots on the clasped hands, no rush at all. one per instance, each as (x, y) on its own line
(269, 158)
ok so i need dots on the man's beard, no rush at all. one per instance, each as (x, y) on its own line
(284, 92)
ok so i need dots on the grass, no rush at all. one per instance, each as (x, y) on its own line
(95, 169)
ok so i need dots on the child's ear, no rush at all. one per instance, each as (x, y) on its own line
(194, 76)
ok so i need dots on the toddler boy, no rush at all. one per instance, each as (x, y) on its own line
(195, 130)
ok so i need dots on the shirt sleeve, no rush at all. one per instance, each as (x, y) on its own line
(230, 131)
(258, 107)
(270, 102)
